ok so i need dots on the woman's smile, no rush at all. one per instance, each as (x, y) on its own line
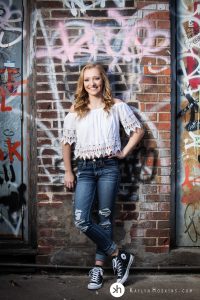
(93, 82)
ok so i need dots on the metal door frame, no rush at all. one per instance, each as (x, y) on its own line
(29, 149)
(173, 22)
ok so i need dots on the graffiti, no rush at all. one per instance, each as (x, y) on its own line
(12, 191)
(11, 209)
(11, 31)
(188, 120)
(192, 222)
(100, 43)
(83, 6)
(194, 108)
(191, 180)
(12, 150)
(103, 43)
(6, 175)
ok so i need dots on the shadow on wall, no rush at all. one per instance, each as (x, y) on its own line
(139, 167)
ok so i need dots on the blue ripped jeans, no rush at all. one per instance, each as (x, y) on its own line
(99, 177)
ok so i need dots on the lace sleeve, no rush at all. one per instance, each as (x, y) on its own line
(128, 118)
(69, 129)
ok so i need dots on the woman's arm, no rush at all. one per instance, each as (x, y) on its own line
(69, 179)
(132, 143)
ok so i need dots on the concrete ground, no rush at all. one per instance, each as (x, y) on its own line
(140, 286)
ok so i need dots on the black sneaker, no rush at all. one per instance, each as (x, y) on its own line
(121, 265)
(96, 280)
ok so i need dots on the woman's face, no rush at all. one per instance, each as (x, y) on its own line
(93, 82)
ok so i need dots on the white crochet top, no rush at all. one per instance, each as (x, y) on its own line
(98, 133)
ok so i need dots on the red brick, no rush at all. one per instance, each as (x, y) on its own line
(163, 224)
(164, 126)
(164, 117)
(47, 115)
(41, 142)
(43, 179)
(164, 80)
(158, 70)
(149, 206)
(157, 233)
(165, 108)
(151, 116)
(157, 215)
(50, 241)
(59, 234)
(164, 62)
(159, 15)
(50, 152)
(50, 204)
(164, 206)
(44, 249)
(163, 25)
(146, 60)
(164, 97)
(40, 42)
(149, 241)
(163, 241)
(42, 197)
(47, 4)
(144, 224)
(164, 249)
(164, 135)
(52, 132)
(164, 189)
(149, 189)
(161, 41)
(61, 14)
(45, 161)
(153, 97)
(151, 107)
(149, 79)
(163, 179)
(47, 96)
(65, 105)
(140, 4)
(47, 124)
(156, 88)
(61, 197)
(44, 105)
(45, 232)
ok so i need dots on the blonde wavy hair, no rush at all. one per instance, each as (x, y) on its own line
(81, 96)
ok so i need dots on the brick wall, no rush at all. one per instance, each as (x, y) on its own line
(132, 40)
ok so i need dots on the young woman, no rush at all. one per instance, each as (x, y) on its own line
(93, 124)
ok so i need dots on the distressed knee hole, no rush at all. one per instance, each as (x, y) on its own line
(80, 223)
(105, 212)
(105, 224)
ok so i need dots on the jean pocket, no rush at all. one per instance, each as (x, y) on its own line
(111, 162)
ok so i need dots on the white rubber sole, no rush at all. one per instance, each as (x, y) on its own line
(125, 277)
(93, 286)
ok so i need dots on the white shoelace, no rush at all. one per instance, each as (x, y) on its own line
(117, 266)
(95, 273)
